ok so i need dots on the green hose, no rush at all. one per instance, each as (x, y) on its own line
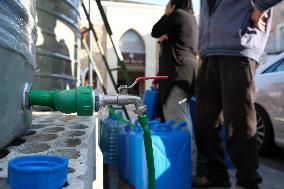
(143, 120)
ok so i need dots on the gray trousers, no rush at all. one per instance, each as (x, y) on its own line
(176, 107)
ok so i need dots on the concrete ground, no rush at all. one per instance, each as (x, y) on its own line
(272, 171)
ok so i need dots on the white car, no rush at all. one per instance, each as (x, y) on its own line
(270, 104)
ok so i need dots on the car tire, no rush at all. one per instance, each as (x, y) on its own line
(265, 133)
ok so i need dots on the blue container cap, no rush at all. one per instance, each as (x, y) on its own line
(33, 172)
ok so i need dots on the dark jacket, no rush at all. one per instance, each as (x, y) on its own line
(226, 28)
(177, 55)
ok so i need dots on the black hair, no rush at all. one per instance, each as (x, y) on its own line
(183, 4)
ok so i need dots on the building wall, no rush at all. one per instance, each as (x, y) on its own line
(123, 17)
(141, 18)
(101, 33)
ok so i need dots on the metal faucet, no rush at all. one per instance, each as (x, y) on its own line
(123, 98)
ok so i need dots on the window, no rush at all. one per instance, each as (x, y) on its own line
(280, 67)
(277, 67)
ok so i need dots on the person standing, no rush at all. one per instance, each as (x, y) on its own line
(233, 35)
(178, 38)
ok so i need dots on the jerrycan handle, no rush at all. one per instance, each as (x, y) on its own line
(171, 122)
(180, 125)
(163, 127)
(153, 123)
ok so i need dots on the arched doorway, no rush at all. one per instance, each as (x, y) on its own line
(133, 51)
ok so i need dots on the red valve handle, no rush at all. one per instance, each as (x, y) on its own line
(151, 77)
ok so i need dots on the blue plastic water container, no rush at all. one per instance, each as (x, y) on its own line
(124, 149)
(140, 165)
(110, 139)
(171, 149)
(150, 100)
(127, 146)
(134, 153)
(37, 172)
(124, 158)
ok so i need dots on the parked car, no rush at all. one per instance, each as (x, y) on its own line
(270, 104)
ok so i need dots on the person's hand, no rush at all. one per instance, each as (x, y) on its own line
(259, 19)
(169, 8)
(154, 86)
(164, 38)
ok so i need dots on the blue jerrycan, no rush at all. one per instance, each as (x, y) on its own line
(124, 158)
(171, 149)
(150, 100)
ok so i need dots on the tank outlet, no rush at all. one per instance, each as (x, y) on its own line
(67, 101)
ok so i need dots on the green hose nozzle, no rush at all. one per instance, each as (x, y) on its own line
(78, 100)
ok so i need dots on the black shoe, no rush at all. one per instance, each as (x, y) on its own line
(203, 182)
